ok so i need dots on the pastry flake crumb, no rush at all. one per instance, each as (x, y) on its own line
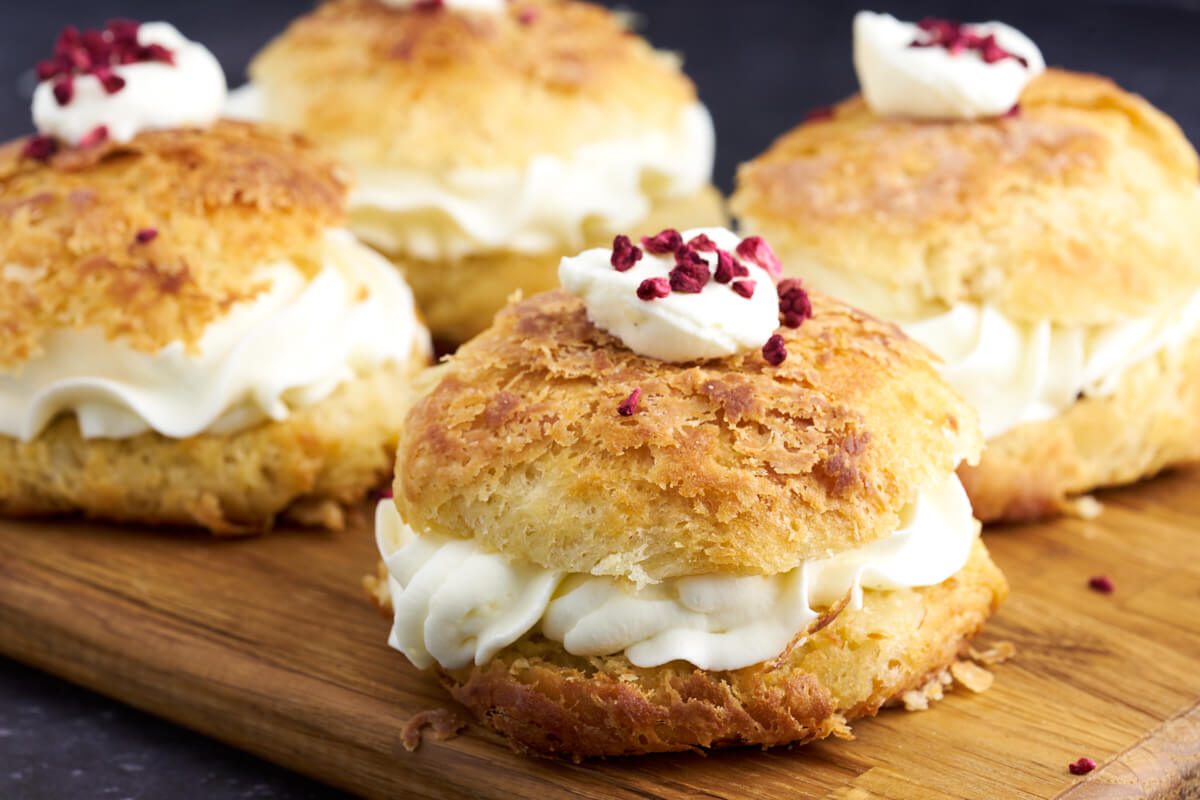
(972, 676)
(998, 653)
(444, 722)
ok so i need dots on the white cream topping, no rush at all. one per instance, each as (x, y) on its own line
(1015, 372)
(551, 203)
(933, 83)
(288, 348)
(452, 5)
(680, 327)
(456, 605)
(156, 96)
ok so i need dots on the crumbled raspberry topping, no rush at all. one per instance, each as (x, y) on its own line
(794, 303)
(691, 271)
(653, 288)
(385, 494)
(429, 5)
(702, 243)
(146, 235)
(39, 147)
(819, 113)
(1102, 584)
(95, 53)
(744, 288)
(1082, 767)
(1015, 111)
(958, 38)
(729, 268)
(667, 241)
(624, 254)
(527, 16)
(756, 250)
(629, 404)
(775, 351)
(97, 135)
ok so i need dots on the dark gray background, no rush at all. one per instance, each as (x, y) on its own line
(759, 65)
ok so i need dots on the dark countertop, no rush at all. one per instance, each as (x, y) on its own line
(760, 65)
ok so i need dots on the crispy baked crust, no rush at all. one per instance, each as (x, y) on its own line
(1151, 422)
(223, 201)
(1082, 209)
(310, 468)
(391, 87)
(460, 297)
(548, 702)
(729, 466)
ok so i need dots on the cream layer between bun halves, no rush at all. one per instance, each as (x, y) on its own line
(648, 512)
(1047, 253)
(488, 140)
(191, 330)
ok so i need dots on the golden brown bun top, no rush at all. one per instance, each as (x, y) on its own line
(392, 87)
(222, 200)
(1081, 209)
(728, 466)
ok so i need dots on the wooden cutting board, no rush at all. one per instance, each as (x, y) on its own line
(269, 645)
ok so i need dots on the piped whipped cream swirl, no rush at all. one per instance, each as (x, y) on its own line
(1015, 371)
(550, 203)
(156, 95)
(671, 325)
(288, 348)
(938, 82)
(457, 605)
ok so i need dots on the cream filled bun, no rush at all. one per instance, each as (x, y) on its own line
(191, 335)
(1048, 255)
(750, 537)
(489, 139)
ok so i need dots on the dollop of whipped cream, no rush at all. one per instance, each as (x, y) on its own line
(452, 5)
(936, 81)
(668, 324)
(1013, 371)
(156, 95)
(457, 605)
(288, 348)
(551, 203)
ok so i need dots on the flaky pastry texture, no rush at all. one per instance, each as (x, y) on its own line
(396, 87)
(1040, 469)
(550, 703)
(220, 201)
(311, 468)
(730, 466)
(1081, 209)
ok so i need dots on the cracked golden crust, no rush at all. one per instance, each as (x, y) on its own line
(729, 465)
(223, 200)
(312, 468)
(1082, 209)
(550, 703)
(1151, 422)
(390, 87)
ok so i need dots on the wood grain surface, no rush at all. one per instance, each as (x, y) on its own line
(268, 644)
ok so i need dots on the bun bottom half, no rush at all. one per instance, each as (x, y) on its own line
(310, 468)
(459, 297)
(1041, 469)
(550, 703)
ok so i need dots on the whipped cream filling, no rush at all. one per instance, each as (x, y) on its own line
(679, 327)
(1012, 371)
(289, 347)
(457, 605)
(933, 82)
(156, 96)
(551, 203)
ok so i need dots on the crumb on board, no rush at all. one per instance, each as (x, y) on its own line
(444, 722)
